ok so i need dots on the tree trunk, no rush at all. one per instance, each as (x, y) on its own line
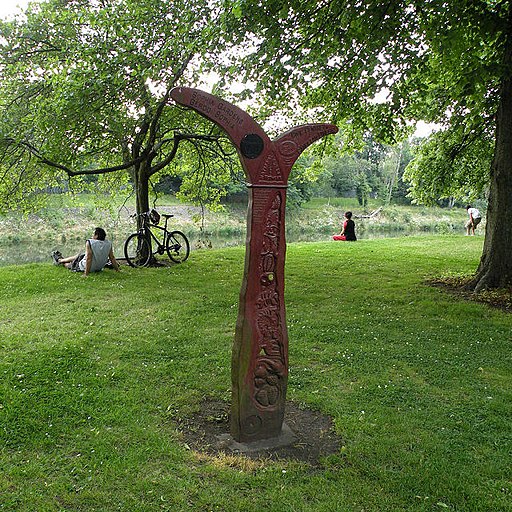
(140, 178)
(495, 269)
(141, 186)
(394, 176)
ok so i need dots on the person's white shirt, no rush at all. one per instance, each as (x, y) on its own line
(100, 253)
(474, 213)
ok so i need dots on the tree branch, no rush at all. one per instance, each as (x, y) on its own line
(160, 108)
(178, 137)
(9, 142)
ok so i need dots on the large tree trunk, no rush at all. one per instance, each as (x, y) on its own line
(141, 186)
(140, 178)
(495, 269)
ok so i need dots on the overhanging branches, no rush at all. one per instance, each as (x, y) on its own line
(9, 145)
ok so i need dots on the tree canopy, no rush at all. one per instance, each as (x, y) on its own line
(446, 166)
(84, 89)
(377, 66)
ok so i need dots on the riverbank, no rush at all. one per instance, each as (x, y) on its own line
(66, 223)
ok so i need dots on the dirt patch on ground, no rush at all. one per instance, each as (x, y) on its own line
(500, 298)
(314, 433)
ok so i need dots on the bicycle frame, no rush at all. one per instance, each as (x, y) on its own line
(146, 230)
(148, 244)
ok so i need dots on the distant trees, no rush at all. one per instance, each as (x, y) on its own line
(374, 171)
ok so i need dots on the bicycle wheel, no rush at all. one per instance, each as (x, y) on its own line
(177, 247)
(137, 250)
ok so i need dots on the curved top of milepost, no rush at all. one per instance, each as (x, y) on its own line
(266, 162)
(232, 119)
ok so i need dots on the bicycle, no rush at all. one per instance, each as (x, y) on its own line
(138, 246)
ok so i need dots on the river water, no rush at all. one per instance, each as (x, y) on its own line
(39, 252)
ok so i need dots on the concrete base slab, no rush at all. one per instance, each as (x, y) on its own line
(286, 438)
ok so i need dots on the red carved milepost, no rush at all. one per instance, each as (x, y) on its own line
(259, 369)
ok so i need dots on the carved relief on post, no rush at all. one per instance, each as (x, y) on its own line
(271, 365)
(260, 349)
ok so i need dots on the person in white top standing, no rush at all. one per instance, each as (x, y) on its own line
(474, 219)
(98, 253)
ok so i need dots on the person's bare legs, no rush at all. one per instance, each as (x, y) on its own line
(67, 261)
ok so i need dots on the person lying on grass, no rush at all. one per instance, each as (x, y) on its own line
(98, 254)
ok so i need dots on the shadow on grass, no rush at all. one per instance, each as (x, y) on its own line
(500, 298)
(314, 432)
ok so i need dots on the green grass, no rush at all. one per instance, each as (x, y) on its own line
(91, 200)
(96, 374)
(347, 203)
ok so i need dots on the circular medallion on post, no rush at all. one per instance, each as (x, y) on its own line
(251, 146)
(288, 150)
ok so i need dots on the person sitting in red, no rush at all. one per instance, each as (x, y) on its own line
(348, 233)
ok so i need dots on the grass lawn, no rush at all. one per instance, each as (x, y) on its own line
(96, 374)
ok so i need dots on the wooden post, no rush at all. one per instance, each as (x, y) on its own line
(259, 369)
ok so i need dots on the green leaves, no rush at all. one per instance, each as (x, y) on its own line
(83, 85)
(434, 58)
(450, 164)
(377, 67)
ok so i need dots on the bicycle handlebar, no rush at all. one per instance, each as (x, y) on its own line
(146, 214)
(143, 214)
